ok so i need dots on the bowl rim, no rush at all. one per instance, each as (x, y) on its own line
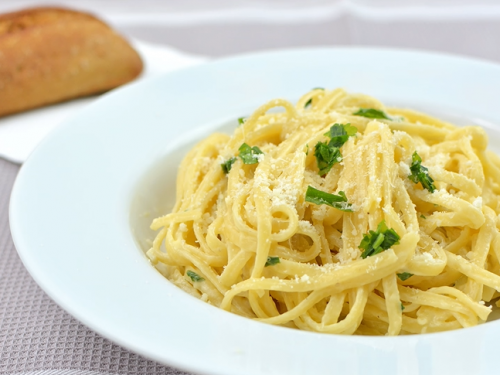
(45, 165)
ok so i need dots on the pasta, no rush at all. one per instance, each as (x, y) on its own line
(338, 215)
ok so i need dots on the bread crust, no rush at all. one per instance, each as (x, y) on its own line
(49, 55)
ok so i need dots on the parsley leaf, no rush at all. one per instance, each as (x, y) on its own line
(372, 113)
(326, 157)
(423, 217)
(249, 154)
(241, 121)
(339, 133)
(419, 173)
(309, 102)
(194, 276)
(327, 154)
(376, 242)
(226, 166)
(271, 261)
(321, 197)
(404, 276)
(402, 306)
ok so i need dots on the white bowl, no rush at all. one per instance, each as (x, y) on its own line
(82, 204)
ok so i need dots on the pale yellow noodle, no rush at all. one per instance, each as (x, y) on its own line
(225, 229)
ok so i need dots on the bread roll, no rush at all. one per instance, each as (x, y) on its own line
(48, 55)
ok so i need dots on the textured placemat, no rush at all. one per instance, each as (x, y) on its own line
(37, 337)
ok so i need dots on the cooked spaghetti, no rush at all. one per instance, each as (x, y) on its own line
(338, 215)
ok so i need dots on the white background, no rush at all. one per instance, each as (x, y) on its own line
(223, 27)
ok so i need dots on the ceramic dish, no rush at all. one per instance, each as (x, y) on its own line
(82, 203)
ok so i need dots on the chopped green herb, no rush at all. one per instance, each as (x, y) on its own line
(326, 157)
(419, 173)
(339, 133)
(241, 120)
(327, 154)
(227, 165)
(194, 276)
(402, 306)
(271, 261)
(309, 102)
(307, 149)
(404, 276)
(372, 113)
(423, 217)
(321, 197)
(249, 154)
(376, 242)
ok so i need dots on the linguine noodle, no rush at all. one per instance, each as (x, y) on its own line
(251, 231)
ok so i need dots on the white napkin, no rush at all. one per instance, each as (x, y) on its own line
(20, 133)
